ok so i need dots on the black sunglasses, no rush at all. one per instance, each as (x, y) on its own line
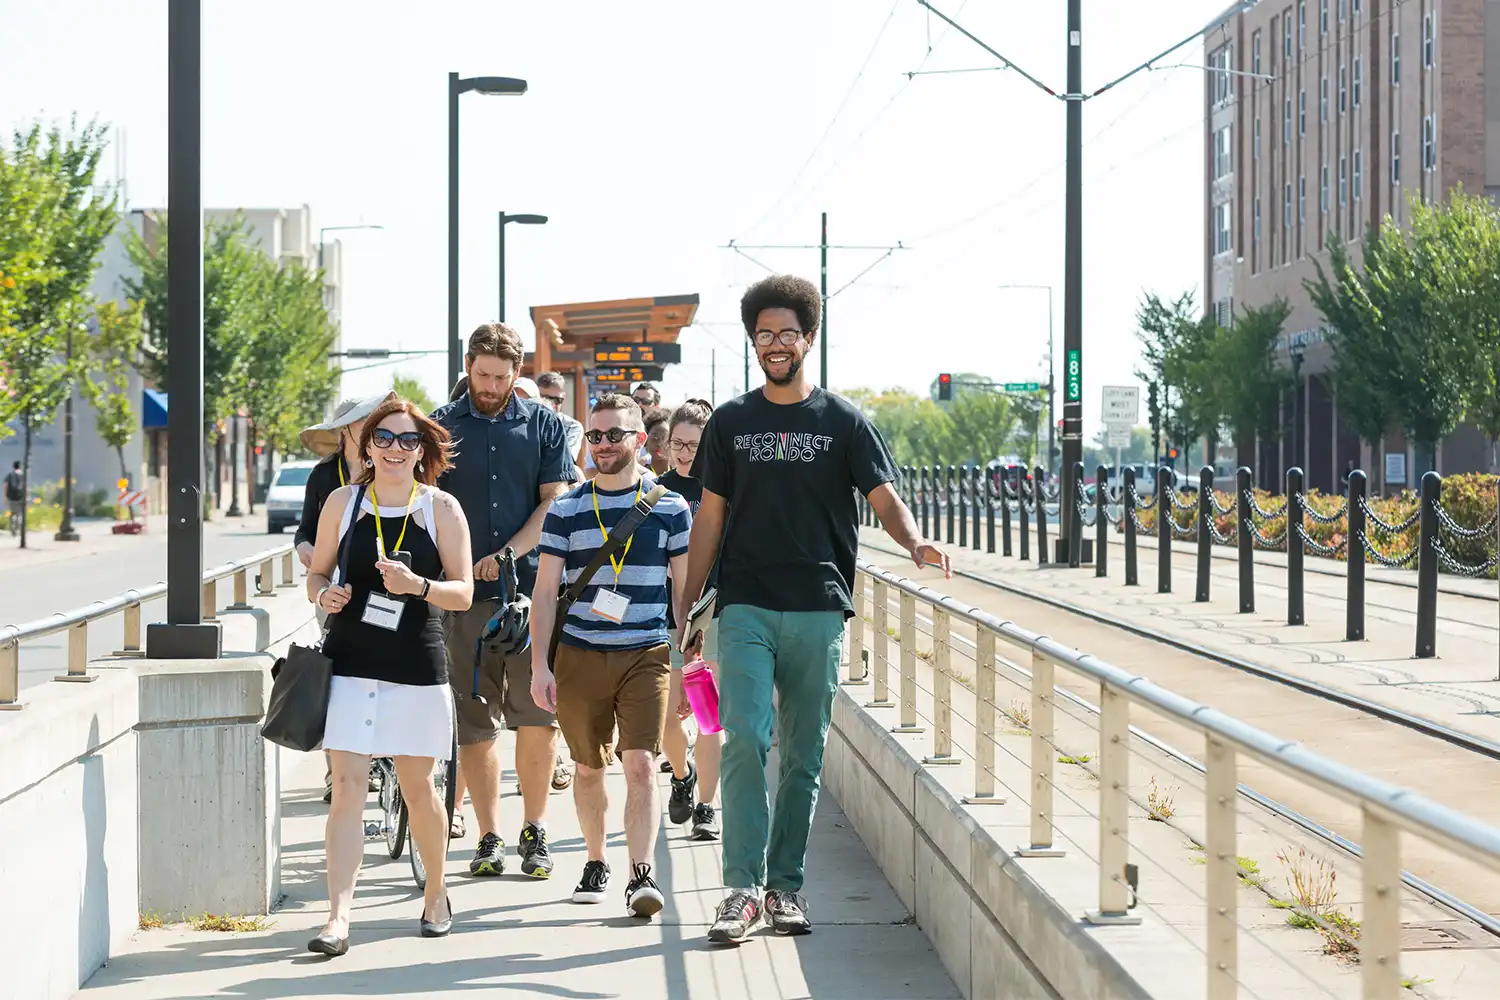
(409, 440)
(615, 435)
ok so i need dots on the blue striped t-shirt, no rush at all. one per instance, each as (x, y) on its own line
(571, 533)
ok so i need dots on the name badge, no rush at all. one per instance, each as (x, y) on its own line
(383, 610)
(610, 605)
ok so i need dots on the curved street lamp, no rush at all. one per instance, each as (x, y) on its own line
(495, 86)
(505, 220)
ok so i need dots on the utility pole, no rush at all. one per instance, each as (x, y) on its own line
(823, 281)
(501, 315)
(1072, 443)
(65, 531)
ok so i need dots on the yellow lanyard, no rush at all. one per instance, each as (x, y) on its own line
(405, 519)
(617, 566)
(342, 481)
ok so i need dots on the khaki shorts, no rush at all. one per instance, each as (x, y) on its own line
(599, 692)
(504, 681)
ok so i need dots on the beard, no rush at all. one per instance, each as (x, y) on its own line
(490, 403)
(793, 367)
(612, 464)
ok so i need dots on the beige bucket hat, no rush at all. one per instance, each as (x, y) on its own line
(323, 439)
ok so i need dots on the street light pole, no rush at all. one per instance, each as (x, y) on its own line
(65, 532)
(505, 220)
(184, 635)
(495, 86)
(823, 332)
(1072, 443)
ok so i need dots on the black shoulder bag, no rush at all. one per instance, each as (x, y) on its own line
(301, 679)
(618, 536)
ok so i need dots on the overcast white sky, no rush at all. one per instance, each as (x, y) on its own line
(653, 134)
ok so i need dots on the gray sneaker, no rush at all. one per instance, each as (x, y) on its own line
(787, 912)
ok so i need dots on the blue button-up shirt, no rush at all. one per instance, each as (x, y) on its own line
(500, 464)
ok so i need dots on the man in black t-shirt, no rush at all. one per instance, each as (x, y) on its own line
(785, 461)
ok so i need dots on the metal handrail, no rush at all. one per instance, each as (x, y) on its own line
(76, 621)
(1386, 809)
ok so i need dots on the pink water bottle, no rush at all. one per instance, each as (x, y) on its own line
(703, 695)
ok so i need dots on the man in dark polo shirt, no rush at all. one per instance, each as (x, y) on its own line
(510, 461)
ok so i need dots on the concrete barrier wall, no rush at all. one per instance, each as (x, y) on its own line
(148, 790)
(998, 932)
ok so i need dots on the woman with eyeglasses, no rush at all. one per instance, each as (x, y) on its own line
(695, 783)
(408, 559)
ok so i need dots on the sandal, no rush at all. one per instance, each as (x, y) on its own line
(456, 828)
(562, 776)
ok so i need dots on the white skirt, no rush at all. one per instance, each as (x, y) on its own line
(382, 719)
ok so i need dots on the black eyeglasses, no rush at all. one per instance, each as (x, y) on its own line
(409, 440)
(554, 400)
(614, 434)
(763, 338)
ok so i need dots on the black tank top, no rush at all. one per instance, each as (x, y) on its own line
(414, 652)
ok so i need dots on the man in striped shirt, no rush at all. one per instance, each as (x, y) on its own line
(611, 669)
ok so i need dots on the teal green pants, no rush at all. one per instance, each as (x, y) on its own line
(795, 654)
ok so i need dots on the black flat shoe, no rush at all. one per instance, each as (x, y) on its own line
(438, 928)
(327, 944)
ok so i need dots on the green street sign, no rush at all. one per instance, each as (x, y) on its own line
(1022, 386)
(1073, 378)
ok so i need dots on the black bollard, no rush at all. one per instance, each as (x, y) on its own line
(1006, 475)
(1164, 522)
(1246, 519)
(1039, 490)
(1023, 484)
(925, 486)
(1128, 516)
(976, 477)
(963, 507)
(1354, 600)
(1427, 567)
(989, 511)
(1294, 614)
(948, 499)
(1205, 530)
(1101, 522)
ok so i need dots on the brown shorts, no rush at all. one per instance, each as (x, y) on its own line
(504, 681)
(598, 691)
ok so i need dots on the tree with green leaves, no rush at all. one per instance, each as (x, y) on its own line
(113, 353)
(54, 221)
(983, 424)
(409, 388)
(1249, 381)
(1176, 359)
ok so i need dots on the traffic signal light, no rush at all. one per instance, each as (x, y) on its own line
(945, 386)
(1172, 454)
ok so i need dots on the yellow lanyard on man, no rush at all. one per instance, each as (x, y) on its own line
(617, 566)
(405, 519)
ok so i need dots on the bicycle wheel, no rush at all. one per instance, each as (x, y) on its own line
(418, 870)
(394, 810)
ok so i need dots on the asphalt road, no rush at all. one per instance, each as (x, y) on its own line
(52, 576)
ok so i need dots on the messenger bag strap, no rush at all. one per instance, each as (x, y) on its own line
(632, 519)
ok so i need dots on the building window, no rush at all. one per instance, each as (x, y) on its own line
(1301, 197)
(1395, 157)
(1224, 312)
(1221, 228)
(1428, 42)
(1219, 65)
(1358, 76)
(1323, 99)
(1286, 205)
(1356, 8)
(1257, 220)
(1255, 139)
(1255, 53)
(1323, 192)
(1301, 112)
(1343, 182)
(1429, 143)
(1343, 89)
(1286, 38)
(1302, 25)
(1359, 172)
(1396, 60)
(1286, 120)
(1323, 16)
(1341, 11)
(1222, 163)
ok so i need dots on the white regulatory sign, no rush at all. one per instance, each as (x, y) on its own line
(1118, 435)
(1122, 405)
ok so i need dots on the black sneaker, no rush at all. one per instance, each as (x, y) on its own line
(737, 916)
(705, 823)
(680, 805)
(642, 896)
(787, 912)
(536, 860)
(594, 885)
(489, 859)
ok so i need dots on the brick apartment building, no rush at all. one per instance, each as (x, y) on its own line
(1323, 116)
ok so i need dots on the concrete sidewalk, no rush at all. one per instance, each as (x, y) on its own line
(514, 936)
